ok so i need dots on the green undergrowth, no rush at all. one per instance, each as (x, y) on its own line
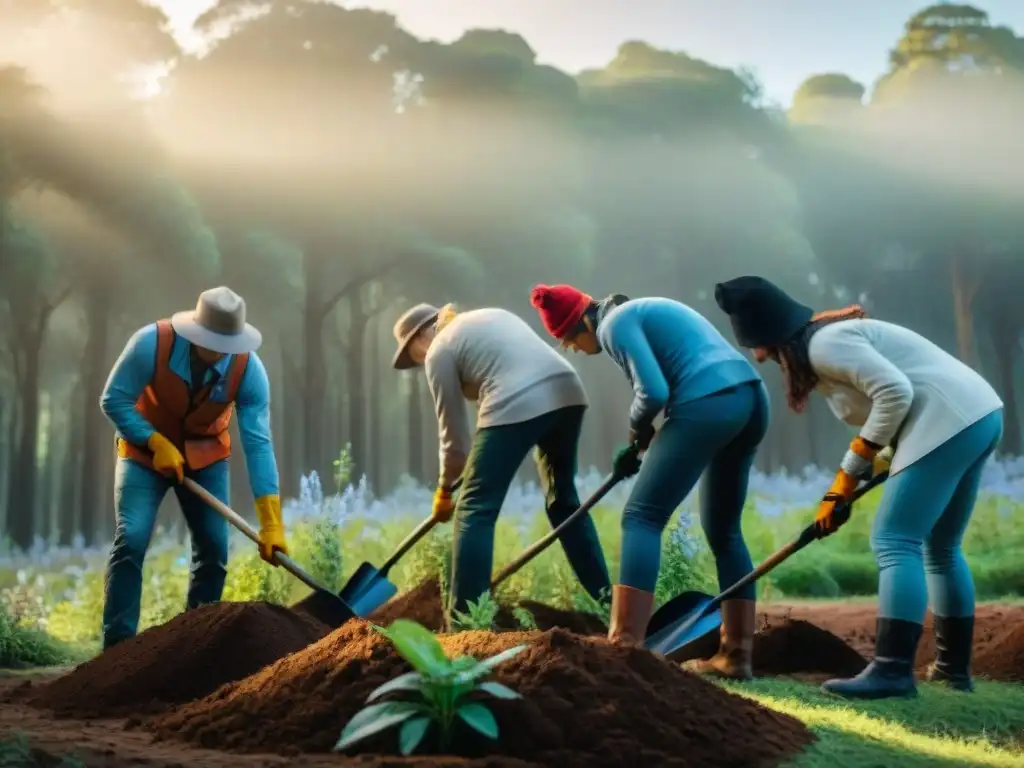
(16, 752)
(938, 728)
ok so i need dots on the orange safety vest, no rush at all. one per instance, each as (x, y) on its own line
(197, 425)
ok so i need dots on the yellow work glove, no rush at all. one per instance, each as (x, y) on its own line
(882, 461)
(268, 511)
(857, 463)
(444, 505)
(167, 459)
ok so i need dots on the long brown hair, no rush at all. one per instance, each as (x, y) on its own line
(793, 358)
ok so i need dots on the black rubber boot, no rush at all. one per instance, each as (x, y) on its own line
(891, 674)
(954, 640)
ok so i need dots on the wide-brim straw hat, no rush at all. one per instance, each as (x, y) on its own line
(408, 325)
(218, 324)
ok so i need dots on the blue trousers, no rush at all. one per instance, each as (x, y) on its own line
(715, 437)
(920, 525)
(138, 492)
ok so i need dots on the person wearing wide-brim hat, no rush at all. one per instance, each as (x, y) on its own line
(716, 414)
(528, 397)
(932, 421)
(170, 397)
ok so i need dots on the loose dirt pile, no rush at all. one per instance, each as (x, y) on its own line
(586, 703)
(185, 659)
(793, 646)
(424, 604)
(1004, 659)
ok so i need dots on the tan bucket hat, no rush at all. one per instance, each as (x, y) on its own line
(409, 324)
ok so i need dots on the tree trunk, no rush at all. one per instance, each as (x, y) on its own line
(315, 372)
(48, 477)
(415, 463)
(356, 389)
(376, 458)
(68, 523)
(22, 493)
(1005, 339)
(6, 419)
(97, 438)
(965, 288)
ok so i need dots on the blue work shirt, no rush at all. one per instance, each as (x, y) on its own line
(134, 370)
(671, 355)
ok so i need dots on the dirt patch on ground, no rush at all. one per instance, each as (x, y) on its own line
(1003, 659)
(794, 646)
(424, 605)
(185, 659)
(854, 623)
(586, 703)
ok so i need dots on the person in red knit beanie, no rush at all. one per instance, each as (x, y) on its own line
(716, 414)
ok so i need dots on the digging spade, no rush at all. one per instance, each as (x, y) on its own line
(690, 616)
(323, 605)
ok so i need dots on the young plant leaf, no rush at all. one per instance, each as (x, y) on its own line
(418, 646)
(497, 690)
(374, 719)
(412, 733)
(410, 681)
(480, 719)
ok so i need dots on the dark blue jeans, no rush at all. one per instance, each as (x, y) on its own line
(495, 457)
(138, 492)
(715, 437)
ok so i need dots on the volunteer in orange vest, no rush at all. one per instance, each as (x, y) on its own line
(170, 397)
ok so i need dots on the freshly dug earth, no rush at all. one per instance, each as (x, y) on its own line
(585, 703)
(185, 659)
(793, 646)
(1003, 659)
(424, 604)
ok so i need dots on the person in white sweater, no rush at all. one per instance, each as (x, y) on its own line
(938, 419)
(528, 396)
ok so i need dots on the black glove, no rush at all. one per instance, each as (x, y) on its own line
(642, 437)
(627, 461)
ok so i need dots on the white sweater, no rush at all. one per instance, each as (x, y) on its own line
(493, 357)
(897, 386)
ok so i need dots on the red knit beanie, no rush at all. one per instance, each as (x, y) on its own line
(560, 307)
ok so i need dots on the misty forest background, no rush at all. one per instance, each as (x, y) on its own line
(333, 169)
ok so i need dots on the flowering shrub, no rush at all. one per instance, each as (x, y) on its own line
(60, 590)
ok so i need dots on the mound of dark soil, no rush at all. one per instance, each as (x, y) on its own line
(424, 605)
(793, 646)
(185, 659)
(585, 703)
(1003, 660)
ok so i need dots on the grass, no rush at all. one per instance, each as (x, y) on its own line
(17, 752)
(938, 728)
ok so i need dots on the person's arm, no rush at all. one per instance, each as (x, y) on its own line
(128, 379)
(452, 418)
(252, 404)
(627, 341)
(844, 354)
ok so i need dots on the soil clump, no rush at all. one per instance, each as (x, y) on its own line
(424, 604)
(185, 659)
(1003, 659)
(794, 646)
(585, 703)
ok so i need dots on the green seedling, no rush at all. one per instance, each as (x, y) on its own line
(524, 618)
(437, 689)
(481, 614)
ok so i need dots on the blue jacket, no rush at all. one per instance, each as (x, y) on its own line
(670, 353)
(134, 370)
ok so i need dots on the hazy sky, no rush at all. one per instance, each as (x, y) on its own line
(784, 41)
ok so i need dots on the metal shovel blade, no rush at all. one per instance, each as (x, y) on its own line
(691, 619)
(325, 607)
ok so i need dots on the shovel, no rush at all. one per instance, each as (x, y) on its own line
(369, 588)
(323, 605)
(520, 562)
(692, 615)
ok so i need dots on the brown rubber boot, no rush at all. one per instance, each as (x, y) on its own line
(631, 610)
(735, 654)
